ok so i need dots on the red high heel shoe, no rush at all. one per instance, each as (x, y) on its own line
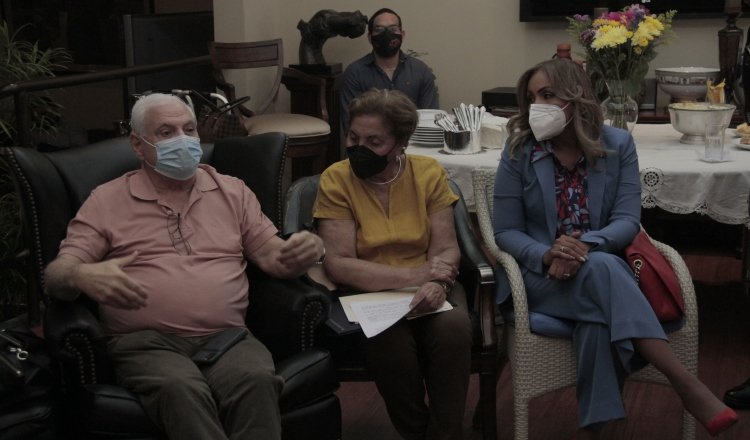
(721, 421)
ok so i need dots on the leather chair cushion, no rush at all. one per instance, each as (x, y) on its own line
(294, 125)
(308, 375)
(29, 419)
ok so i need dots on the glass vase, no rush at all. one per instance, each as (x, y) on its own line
(619, 108)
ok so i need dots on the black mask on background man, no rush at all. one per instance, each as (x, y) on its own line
(386, 44)
(364, 162)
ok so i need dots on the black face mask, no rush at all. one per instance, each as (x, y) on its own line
(364, 162)
(386, 44)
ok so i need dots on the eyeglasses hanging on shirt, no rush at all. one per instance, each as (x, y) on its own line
(179, 242)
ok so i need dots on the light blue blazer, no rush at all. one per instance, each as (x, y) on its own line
(525, 213)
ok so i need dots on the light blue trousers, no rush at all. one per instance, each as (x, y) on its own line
(609, 310)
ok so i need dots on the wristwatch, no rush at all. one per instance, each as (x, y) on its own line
(322, 257)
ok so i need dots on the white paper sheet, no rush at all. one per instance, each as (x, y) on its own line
(376, 316)
(376, 311)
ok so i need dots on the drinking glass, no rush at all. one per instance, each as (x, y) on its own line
(714, 141)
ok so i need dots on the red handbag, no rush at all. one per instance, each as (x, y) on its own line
(655, 277)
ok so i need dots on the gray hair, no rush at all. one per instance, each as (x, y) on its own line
(145, 103)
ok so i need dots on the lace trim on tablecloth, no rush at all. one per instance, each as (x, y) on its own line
(651, 181)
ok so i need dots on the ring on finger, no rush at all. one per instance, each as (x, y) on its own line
(563, 249)
(566, 275)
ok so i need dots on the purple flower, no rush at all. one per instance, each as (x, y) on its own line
(614, 16)
(587, 36)
(579, 17)
(638, 9)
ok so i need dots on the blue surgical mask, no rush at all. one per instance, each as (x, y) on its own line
(177, 157)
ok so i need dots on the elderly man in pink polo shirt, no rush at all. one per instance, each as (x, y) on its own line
(163, 251)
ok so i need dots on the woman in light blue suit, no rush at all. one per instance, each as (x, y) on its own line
(566, 202)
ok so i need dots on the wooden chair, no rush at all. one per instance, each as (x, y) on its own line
(309, 134)
(475, 275)
(541, 364)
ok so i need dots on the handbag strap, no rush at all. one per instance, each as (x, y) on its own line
(14, 345)
(637, 265)
(231, 105)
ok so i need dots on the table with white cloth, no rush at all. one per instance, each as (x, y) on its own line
(673, 177)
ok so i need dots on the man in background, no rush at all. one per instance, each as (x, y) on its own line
(387, 67)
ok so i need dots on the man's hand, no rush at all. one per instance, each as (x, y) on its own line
(300, 251)
(107, 284)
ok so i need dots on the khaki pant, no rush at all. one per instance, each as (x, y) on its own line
(235, 398)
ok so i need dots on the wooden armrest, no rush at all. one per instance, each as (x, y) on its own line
(312, 87)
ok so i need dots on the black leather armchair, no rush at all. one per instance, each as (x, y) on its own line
(475, 274)
(284, 315)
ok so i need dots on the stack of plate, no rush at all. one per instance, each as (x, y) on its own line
(427, 132)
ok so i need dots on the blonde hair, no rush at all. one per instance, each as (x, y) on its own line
(398, 112)
(569, 82)
(147, 102)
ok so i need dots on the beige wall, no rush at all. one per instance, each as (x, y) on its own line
(472, 45)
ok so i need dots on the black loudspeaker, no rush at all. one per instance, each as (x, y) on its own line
(500, 97)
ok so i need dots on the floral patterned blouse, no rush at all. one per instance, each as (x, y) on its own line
(570, 191)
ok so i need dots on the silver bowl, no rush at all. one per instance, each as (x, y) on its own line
(691, 118)
(686, 84)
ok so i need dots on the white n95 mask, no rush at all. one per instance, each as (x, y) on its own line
(547, 120)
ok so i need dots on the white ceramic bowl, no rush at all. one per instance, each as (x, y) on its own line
(686, 84)
(690, 118)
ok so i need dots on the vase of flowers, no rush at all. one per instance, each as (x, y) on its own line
(619, 108)
(618, 49)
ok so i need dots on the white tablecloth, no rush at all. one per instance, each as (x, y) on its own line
(672, 176)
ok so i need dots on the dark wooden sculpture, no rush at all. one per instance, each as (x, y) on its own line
(323, 25)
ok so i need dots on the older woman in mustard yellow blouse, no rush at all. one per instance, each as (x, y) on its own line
(387, 222)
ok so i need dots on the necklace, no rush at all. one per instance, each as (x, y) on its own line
(394, 177)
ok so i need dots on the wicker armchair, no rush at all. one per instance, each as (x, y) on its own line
(541, 364)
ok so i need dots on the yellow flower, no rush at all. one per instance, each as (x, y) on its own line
(610, 36)
(648, 29)
(621, 44)
(599, 22)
